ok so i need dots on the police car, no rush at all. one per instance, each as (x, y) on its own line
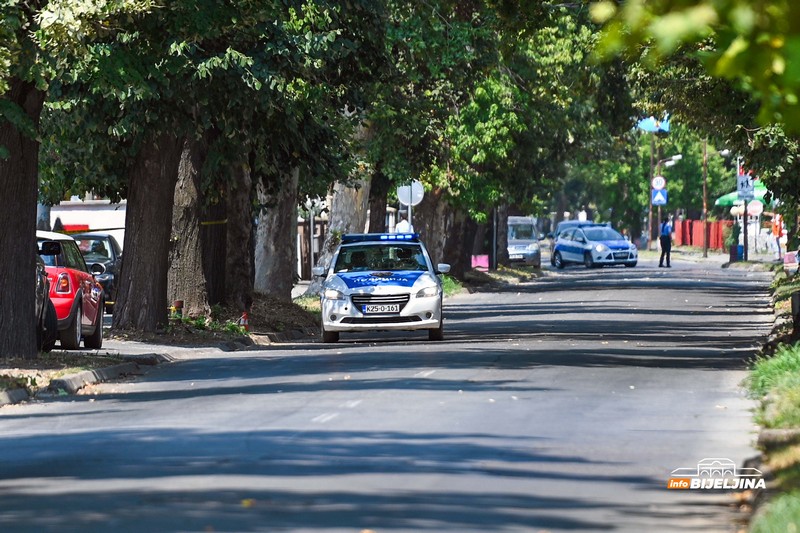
(594, 246)
(380, 281)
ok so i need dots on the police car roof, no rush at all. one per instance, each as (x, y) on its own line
(349, 238)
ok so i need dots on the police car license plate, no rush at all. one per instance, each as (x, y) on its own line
(515, 256)
(386, 308)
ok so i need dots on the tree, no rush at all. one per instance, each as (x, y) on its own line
(38, 41)
(251, 72)
(754, 43)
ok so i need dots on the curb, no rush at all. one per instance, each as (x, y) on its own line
(72, 383)
(13, 396)
(286, 336)
(75, 382)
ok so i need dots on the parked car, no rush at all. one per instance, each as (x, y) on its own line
(563, 226)
(46, 318)
(594, 246)
(100, 247)
(76, 295)
(381, 281)
(523, 241)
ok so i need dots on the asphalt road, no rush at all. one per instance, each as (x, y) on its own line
(560, 406)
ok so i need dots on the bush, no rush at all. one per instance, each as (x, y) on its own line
(730, 235)
(450, 285)
(775, 516)
(782, 410)
(768, 371)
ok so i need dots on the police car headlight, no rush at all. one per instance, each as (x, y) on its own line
(427, 292)
(601, 248)
(333, 294)
(633, 248)
(533, 247)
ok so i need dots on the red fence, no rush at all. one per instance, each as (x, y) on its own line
(690, 233)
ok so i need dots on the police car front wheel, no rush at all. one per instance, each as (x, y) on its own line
(330, 336)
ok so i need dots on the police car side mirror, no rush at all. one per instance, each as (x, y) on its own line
(318, 271)
(442, 268)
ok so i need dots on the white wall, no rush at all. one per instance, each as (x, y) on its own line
(100, 215)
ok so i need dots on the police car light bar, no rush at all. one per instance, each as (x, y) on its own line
(372, 237)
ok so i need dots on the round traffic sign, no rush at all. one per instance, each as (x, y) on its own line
(411, 194)
(755, 208)
(659, 183)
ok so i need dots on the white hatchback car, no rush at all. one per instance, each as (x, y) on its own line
(381, 281)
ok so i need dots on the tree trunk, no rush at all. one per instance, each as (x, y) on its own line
(378, 192)
(431, 220)
(18, 181)
(276, 239)
(458, 244)
(213, 235)
(142, 298)
(186, 279)
(239, 262)
(502, 235)
(348, 214)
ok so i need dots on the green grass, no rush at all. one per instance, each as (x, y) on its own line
(202, 323)
(781, 514)
(310, 304)
(768, 371)
(450, 285)
(783, 286)
(783, 408)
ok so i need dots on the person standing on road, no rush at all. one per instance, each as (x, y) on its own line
(666, 241)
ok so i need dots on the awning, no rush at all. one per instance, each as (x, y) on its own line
(732, 198)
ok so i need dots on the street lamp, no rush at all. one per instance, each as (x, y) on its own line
(723, 153)
(667, 162)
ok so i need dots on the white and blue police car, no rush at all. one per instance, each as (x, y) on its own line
(381, 281)
(594, 246)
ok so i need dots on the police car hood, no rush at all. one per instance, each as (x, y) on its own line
(615, 244)
(377, 279)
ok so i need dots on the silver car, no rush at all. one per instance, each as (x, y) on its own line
(523, 242)
(381, 282)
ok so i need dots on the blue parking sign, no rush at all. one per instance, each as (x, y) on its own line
(659, 197)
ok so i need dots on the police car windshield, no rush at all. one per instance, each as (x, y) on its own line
(602, 234)
(383, 257)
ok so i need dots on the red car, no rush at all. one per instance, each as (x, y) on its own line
(75, 293)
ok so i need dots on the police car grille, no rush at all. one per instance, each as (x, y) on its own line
(380, 299)
(381, 320)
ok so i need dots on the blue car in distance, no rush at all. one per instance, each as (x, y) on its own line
(594, 246)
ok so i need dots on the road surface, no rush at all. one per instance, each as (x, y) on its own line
(560, 405)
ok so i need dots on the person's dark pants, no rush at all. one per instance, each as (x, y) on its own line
(666, 248)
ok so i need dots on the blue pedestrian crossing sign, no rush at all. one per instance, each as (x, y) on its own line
(659, 197)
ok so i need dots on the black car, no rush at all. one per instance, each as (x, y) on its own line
(98, 247)
(46, 318)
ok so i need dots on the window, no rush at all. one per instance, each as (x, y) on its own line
(381, 257)
(603, 234)
(521, 232)
(72, 256)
